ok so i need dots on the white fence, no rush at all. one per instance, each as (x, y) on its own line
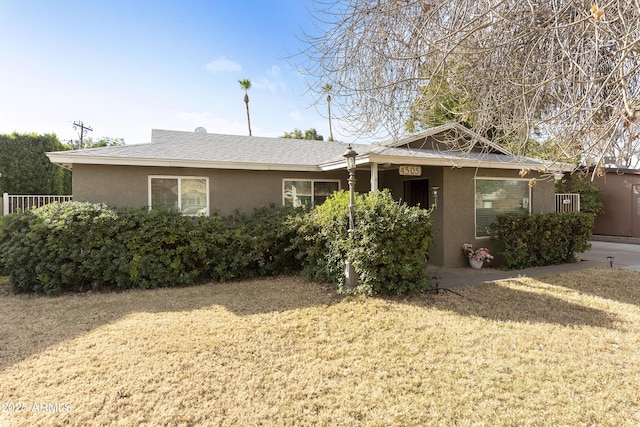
(13, 203)
(567, 202)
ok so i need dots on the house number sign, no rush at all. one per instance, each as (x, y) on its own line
(411, 170)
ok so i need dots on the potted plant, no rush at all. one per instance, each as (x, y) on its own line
(477, 257)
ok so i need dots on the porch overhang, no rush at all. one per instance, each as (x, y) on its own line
(452, 161)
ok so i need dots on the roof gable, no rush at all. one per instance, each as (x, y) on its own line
(449, 137)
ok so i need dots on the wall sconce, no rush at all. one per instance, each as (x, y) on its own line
(434, 191)
(610, 259)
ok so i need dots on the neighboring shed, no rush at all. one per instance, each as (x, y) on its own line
(464, 178)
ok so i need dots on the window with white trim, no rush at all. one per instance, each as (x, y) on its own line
(307, 192)
(496, 196)
(187, 194)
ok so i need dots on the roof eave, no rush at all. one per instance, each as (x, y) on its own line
(540, 166)
(69, 161)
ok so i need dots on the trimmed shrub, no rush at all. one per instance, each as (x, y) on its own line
(18, 248)
(149, 249)
(542, 239)
(264, 238)
(78, 246)
(389, 248)
(47, 250)
(242, 246)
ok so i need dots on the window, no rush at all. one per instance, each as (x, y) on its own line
(498, 196)
(307, 192)
(190, 195)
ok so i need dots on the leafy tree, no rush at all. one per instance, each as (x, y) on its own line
(590, 198)
(105, 141)
(245, 84)
(567, 68)
(310, 134)
(441, 102)
(26, 169)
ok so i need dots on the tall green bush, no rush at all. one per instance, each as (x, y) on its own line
(152, 249)
(389, 248)
(242, 246)
(78, 246)
(27, 170)
(48, 250)
(542, 239)
(262, 238)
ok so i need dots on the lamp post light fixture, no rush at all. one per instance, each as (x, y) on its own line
(435, 190)
(351, 278)
(610, 259)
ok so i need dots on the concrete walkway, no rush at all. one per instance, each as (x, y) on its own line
(626, 255)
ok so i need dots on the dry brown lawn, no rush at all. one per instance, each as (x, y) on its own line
(563, 350)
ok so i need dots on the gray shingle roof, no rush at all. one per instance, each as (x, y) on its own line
(179, 146)
(207, 150)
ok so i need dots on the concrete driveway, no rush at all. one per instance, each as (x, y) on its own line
(625, 255)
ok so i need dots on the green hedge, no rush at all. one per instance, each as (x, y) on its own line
(542, 239)
(389, 248)
(77, 246)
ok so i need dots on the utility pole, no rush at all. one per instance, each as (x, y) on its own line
(83, 131)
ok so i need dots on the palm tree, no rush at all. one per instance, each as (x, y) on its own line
(246, 84)
(327, 88)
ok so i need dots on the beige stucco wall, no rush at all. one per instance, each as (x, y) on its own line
(459, 212)
(228, 189)
(453, 220)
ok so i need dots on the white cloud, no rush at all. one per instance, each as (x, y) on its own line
(267, 84)
(273, 82)
(274, 72)
(223, 64)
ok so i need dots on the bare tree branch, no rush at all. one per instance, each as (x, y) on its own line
(567, 69)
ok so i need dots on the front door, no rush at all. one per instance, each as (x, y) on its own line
(416, 192)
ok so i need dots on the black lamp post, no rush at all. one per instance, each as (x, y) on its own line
(351, 278)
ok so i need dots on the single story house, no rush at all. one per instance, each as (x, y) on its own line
(620, 195)
(465, 178)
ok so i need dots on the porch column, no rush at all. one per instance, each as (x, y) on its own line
(5, 204)
(374, 177)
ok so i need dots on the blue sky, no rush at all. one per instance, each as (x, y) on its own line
(126, 67)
